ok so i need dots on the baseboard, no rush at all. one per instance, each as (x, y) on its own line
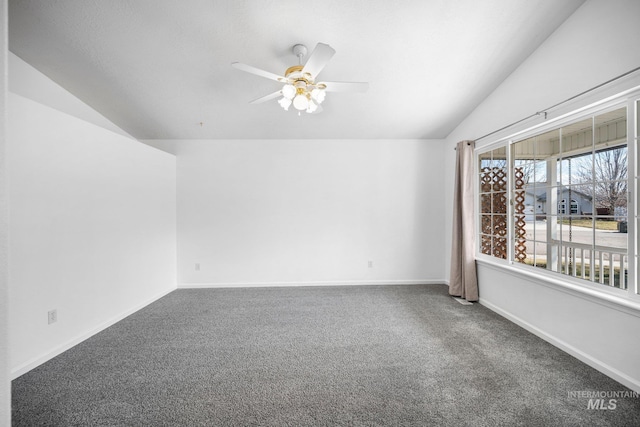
(319, 283)
(622, 378)
(33, 363)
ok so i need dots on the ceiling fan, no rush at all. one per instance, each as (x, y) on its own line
(300, 86)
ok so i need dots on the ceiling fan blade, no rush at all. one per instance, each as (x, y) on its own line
(258, 72)
(266, 98)
(318, 59)
(346, 86)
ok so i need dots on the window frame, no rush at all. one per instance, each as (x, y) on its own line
(629, 297)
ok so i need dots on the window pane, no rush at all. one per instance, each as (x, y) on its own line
(485, 224)
(539, 195)
(500, 247)
(610, 128)
(485, 244)
(485, 203)
(540, 230)
(609, 235)
(524, 149)
(576, 231)
(499, 202)
(555, 202)
(578, 199)
(547, 145)
(486, 180)
(524, 171)
(493, 177)
(566, 171)
(540, 255)
(610, 164)
(610, 262)
(577, 138)
(500, 158)
(500, 225)
(540, 172)
(581, 168)
(484, 160)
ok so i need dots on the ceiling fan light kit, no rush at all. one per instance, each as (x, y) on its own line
(300, 88)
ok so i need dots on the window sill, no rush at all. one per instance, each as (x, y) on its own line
(612, 298)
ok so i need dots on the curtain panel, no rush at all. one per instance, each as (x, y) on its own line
(463, 281)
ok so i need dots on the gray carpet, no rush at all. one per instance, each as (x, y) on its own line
(371, 355)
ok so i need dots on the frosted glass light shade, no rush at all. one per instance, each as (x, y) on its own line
(289, 91)
(312, 107)
(318, 95)
(284, 103)
(300, 102)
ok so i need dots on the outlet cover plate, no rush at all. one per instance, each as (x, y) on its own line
(52, 316)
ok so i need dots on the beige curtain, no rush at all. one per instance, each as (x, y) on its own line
(463, 281)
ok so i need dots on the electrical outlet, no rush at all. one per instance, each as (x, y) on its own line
(198, 266)
(370, 264)
(52, 316)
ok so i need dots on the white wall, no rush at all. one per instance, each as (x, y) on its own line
(92, 228)
(601, 333)
(596, 44)
(277, 212)
(32, 84)
(5, 384)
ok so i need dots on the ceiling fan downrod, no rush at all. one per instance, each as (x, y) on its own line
(300, 51)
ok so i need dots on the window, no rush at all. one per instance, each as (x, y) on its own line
(493, 202)
(562, 207)
(637, 187)
(557, 200)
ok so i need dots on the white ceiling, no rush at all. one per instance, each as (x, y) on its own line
(158, 68)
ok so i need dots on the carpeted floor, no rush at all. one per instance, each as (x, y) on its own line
(366, 355)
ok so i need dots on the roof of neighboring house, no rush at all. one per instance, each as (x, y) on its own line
(542, 195)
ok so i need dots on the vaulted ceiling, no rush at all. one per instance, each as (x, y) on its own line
(160, 69)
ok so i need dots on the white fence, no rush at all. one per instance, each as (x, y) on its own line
(600, 264)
